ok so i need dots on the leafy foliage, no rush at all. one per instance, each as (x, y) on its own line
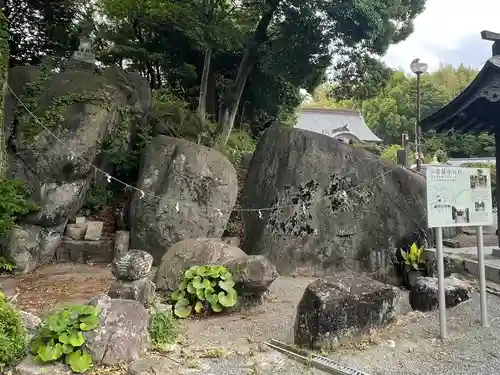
(413, 258)
(13, 336)
(204, 289)
(163, 328)
(14, 203)
(5, 265)
(61, 337)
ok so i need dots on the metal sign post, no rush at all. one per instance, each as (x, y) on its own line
(458, 197)
(482, 276)
(441, 294)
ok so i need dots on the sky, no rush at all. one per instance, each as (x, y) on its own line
(448, 32)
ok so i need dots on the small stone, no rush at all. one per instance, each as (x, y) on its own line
(133, 265)
(122, 240)
(8, 287)
(31, 322)
(138, 290)
(94, 231)
(28, 366)
(148, 366)
(80, 220)
(76, 231)
(242, 351)
(424, 293)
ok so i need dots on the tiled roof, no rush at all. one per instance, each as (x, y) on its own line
(329, 121)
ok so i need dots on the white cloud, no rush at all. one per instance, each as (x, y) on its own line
(444, 27)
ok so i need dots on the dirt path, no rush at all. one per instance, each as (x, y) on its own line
(50, 287)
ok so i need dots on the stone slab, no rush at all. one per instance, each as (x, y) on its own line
(85, 251)
(94, 231)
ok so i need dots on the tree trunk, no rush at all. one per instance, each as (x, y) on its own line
(4, 68)
(202, 103)
(231, 104)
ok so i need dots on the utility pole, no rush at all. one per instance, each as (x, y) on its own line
(418, 68)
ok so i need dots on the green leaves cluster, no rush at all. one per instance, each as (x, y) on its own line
(14, 202)
(163, 328)
(13, 334)
(61, 337)
(204, 289)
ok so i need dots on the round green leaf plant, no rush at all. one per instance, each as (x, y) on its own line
(207, 288)
(61, 337)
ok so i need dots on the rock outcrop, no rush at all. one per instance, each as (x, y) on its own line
(424, 293)
(253, 275)
(337, 308)
(82, 109)
(339, 206)
(132, 277)
(122, 334)
(195, 188)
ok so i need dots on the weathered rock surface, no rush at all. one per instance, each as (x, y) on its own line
(76, 231)
(122, 242)
(94, 231)
(345, 207)
(31, 322)
(28, 366)
(252, 274)
(141, 290)
(133, 265)
(424, 293)
(333, 309)
(88, 106)
(198, 188)
(85, 251)
(122, 334)
(149, 366)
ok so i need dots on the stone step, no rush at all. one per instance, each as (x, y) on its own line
(464, 265)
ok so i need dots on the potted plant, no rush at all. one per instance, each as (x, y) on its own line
(415, 264)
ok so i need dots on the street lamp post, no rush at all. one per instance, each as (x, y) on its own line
(418, 68)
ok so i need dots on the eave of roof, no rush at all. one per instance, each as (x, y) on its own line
(471, 110)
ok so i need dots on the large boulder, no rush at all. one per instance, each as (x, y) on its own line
(338, 206)
(122, 335)
(252, 274)
(77, 111)
(193, 192)
(424, 293)
(337, 308)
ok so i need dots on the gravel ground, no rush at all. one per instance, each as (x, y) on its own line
(408, 347)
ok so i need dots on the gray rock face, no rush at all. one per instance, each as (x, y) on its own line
(88, 105)
(189, 253)
(148, 366)
(31, 322)
(139, 290)
(345, 207)
(29, 366)
(200, 179)
(76, 231)
(133, 265)
(335, 308)
(253, 275)
(30, 245)
(122, 334)
(424, 293)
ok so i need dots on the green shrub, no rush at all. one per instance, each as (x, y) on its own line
(61, 337)
(5, 265)
(13, 335)
(163, 328)
(97, 197)
(204, 289)
(13, 203)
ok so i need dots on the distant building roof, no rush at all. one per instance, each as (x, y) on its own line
(333, 121)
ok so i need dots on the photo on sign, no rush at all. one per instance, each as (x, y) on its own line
(478, 180)
(460, 215)
(480, 206)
